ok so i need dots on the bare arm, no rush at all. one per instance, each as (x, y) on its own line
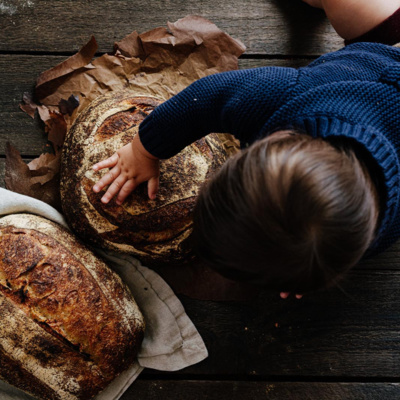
(353, 18)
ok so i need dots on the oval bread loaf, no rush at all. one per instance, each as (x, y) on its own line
(155, 231)
(68, 324)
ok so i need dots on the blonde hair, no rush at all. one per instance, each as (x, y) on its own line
(291, 212)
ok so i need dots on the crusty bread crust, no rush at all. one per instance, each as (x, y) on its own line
(153, 230)
(68, 324)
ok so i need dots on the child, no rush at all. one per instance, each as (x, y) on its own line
(317, 184)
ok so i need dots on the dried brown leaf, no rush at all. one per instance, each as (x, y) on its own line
(39, 179)
(129, 46)
(44, 113)
(56, 127)
(194, 44)
(28, 105)
(48, 81)
(159, 63)
(45, 167)
(17, 172)
(68, 106)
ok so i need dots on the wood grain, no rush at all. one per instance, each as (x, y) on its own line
(351, 331)
(333, 345)
(239, 390)
(264, 26)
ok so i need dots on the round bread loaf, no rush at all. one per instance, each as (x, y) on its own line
(155, 231)
(68, 324)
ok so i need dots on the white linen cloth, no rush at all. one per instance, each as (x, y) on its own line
(171, 341)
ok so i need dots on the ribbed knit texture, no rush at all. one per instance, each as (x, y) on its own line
(353, 92)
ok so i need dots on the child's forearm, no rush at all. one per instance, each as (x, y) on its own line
(353, 18)
(236, 102)
(186, 117)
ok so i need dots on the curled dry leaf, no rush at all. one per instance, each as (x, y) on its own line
(129, 46)
(49, 81)
(68, 106)
(160, 62)
(38, 179)
(28, 105)
(56, 127)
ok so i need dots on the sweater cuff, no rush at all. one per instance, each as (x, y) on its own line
(151, 137)
(387, 32)
(146, 139)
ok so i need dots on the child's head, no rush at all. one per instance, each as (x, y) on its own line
(291, 212)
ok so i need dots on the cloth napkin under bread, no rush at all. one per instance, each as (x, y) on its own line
(171, 340)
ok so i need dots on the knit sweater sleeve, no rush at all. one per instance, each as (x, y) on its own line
(236, 102)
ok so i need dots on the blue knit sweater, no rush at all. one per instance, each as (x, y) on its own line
(353, 92)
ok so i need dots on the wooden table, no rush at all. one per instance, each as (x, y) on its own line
(340, 344)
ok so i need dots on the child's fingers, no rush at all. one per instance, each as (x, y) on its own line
(109, 177)
(285, 295)
(152, 187)
(107, 163)
(126, 190)
(114, 188)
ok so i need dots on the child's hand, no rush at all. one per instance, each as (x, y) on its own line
(131, 165)
(285, 295)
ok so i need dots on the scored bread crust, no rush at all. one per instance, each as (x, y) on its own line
(153, 230)
(68, 324)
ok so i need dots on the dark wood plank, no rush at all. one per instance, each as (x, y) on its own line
(264, 26)
(266, 348)
(274, 62)
(237, 390)
(2, 169)
(388, 258)
(19, 76)
(349, 331)
(24, 133)
(19, 73)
